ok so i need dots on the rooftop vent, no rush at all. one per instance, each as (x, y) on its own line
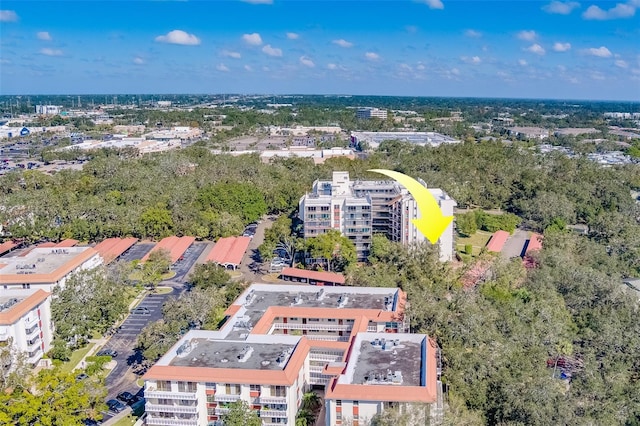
(9, 303)
(249, 298)
(320, 294)
(342, 300)
(380, 378)
(245, 353)
(184, 349)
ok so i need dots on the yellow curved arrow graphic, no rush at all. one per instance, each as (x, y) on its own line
(432, 222)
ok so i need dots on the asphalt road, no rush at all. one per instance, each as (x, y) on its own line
(122, 377)
(251, 266)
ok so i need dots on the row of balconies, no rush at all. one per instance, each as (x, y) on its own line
(325, 357)
(151, 392)
(184, 409)
(165, 421)
(311, 326)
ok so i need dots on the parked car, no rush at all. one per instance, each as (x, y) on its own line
(127, 397)
(141, 311)
(116, 406)
(81, 376)
(107, 352)
(90, 422)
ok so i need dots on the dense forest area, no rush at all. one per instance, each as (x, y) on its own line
(497, 339)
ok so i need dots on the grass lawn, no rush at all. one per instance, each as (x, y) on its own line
(126, 421)
(163, 290)
(477, 240)
(137, 275)
(75, 358)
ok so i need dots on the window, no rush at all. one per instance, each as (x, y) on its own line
(324, 208)
(164, 385)
(355, 403)
(210, 385)
(311, 209)
(254, 388)
(338, 415)
(338, 403)
(232, 389)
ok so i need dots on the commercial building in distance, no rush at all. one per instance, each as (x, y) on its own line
(374, 139)
(367, 113)
(45, 267)
(359, 209)
(25, 323)
(48, 109)
(280, 341)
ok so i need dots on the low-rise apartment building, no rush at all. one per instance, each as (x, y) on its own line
(279, 341)
(25, 323)
(359, 209)
(45, 268)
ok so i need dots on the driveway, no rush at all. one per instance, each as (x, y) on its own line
(251, 265)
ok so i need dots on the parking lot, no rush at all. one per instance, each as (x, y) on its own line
(182, 267)
(137, 252)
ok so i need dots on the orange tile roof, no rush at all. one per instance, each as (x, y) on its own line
(54, 276)
(497, 241)
(229, 250)
(535, 243)
(18, 310)
(7, 246)
(328, 277)
(111, 248)
(176, 246)
(67, 243)
(264, 323)
(45, 245)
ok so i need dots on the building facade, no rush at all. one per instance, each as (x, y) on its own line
(359, 209)
(367, 113)
(280, 341)
(25, 322)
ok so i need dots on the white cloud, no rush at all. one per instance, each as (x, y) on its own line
(138, 60)
(600, 52)
(293, 36)
(561, 47)
(332, 66)
(433, 4)
(248, 68)
(406, 67)
(455, 71)
(471, 60)
(620, 10)
(231, 54)
(561, 8)
(43, 35)
(527, 35)
(522, 62)
(8, 16)
(51, 52)
(372, 56)
(307, 62)
(536, 48)
(253, 39)
(222, 67)
(420, 67)
(622, 64)
(597, 75)
(272, 51)
(179, 37)
(473, 33)
(342, 43)
(258, 1)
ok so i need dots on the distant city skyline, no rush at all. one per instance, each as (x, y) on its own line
(518, 49)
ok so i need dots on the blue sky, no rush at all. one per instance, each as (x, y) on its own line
(552, 49)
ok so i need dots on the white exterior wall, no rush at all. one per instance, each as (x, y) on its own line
(38, 322)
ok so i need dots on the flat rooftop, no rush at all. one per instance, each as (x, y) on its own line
(40, 260)
(232, 354)
(386, 359)
(7, 302)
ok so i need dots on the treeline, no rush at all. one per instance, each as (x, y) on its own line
(193, 192)
(501, 340)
